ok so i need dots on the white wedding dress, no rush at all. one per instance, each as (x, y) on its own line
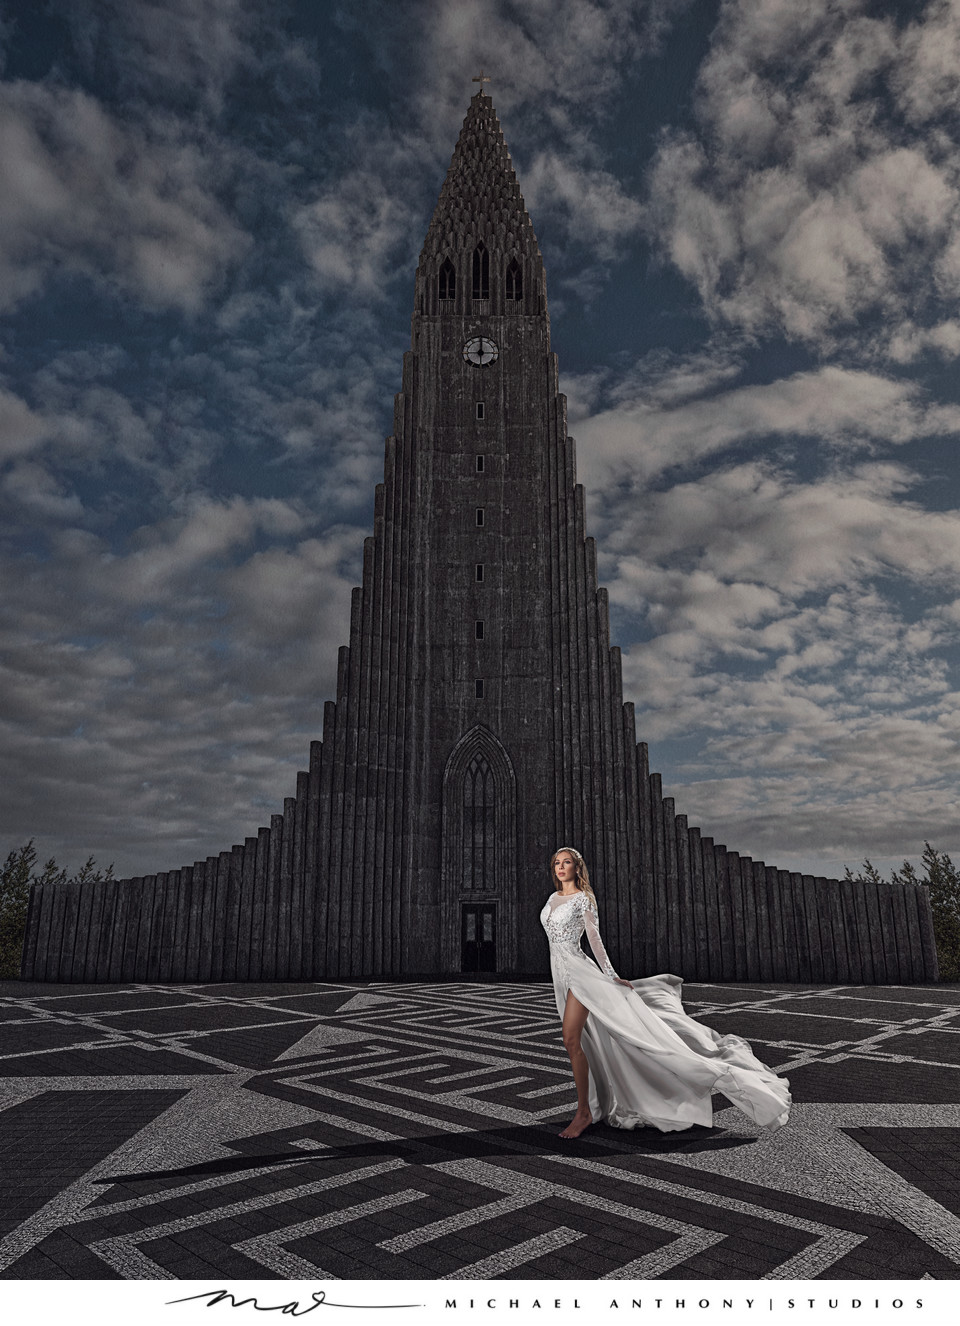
(650, 1064)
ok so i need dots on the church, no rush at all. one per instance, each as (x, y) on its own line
(479, 720)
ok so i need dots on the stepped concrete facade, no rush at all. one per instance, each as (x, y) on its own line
(479, 720)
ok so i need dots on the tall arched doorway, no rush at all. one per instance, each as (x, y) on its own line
(479, 901)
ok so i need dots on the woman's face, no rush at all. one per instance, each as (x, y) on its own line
(564, 868)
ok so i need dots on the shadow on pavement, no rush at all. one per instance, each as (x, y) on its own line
(478, 1145)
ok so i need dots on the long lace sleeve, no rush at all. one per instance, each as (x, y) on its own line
(591, 922)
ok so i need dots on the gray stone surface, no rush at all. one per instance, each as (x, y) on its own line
(409, 1131)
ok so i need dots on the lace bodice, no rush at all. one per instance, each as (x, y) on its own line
(565, 917)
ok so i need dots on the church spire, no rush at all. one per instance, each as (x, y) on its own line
(480, 200)
(480, 253)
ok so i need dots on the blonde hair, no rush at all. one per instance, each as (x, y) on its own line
(582, 875)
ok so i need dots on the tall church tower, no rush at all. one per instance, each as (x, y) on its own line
(479, 721)
(512, 710)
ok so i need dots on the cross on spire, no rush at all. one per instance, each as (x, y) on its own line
(480, 78)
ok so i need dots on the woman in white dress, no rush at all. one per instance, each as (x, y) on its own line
(638, 1060)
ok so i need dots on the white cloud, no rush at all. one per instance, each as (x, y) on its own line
(801, 202)
(189, 673)
(640, 438)
(909, 341)
(597, 211)
(21, 429)
(86, 193)
(39, 493)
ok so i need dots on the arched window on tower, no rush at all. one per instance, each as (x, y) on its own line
(448, 281)
(514, 280)
(481, 273)
(479, 824)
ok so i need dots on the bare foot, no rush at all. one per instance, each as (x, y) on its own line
(580, 1121)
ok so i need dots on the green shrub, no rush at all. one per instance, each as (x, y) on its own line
(18, 876)
(942, 878)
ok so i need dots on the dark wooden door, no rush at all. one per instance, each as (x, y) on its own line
(478, 937)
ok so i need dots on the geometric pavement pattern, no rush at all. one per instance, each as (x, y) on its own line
(409, 1131)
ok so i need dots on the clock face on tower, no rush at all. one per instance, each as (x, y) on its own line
(480, 350)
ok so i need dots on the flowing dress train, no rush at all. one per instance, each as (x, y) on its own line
(650, 1064)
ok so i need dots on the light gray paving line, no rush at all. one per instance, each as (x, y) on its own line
(323, 1039)
(467, 1074)
(353, 1126)
(511, 1055)
(689, 1238)
(466, 1104)
(393, 1110)
(832, 1243)
(504, 1082)
(16, 1090)
(269, 1249)
(879, 1057)
(124, 1254)
(67, 1205)
(280, 1072)
(195, 1033)
(188, 1132)
(939, 1024)
(106, 1043)
(148, 1042)
(500, 1262)
(373, 1078)
(477, 1215)
(69, 1016)
(866, 1042)
(440, 1042)
(92, 1020)
(654, 1264)
(565, 1087)
(815, 1158)
(754, 1000)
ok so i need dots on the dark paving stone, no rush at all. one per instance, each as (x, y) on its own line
(200, 1017)
(49, 989)
(879, 1011)
(43, 1035)
(759, 1028)
(112, 1061)
(945, 993)
(279, 989)
(316, 1001)
(892, 1253)
(928, 1158)
(119, 1000)
(936, 1046)
(36, 1265)
(252, 1049)
(856, 1078)
(50, 1140)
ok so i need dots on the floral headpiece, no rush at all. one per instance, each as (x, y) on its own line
(573, 852)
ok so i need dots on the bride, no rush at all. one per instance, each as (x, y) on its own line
(637, 1058)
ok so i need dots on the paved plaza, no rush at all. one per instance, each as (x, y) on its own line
(409, 1131)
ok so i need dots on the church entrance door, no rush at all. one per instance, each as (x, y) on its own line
(479, 945)
(478, 905)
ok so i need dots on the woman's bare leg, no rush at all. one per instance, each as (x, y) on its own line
(574, 1019)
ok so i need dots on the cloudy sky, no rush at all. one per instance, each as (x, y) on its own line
(209, 223)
